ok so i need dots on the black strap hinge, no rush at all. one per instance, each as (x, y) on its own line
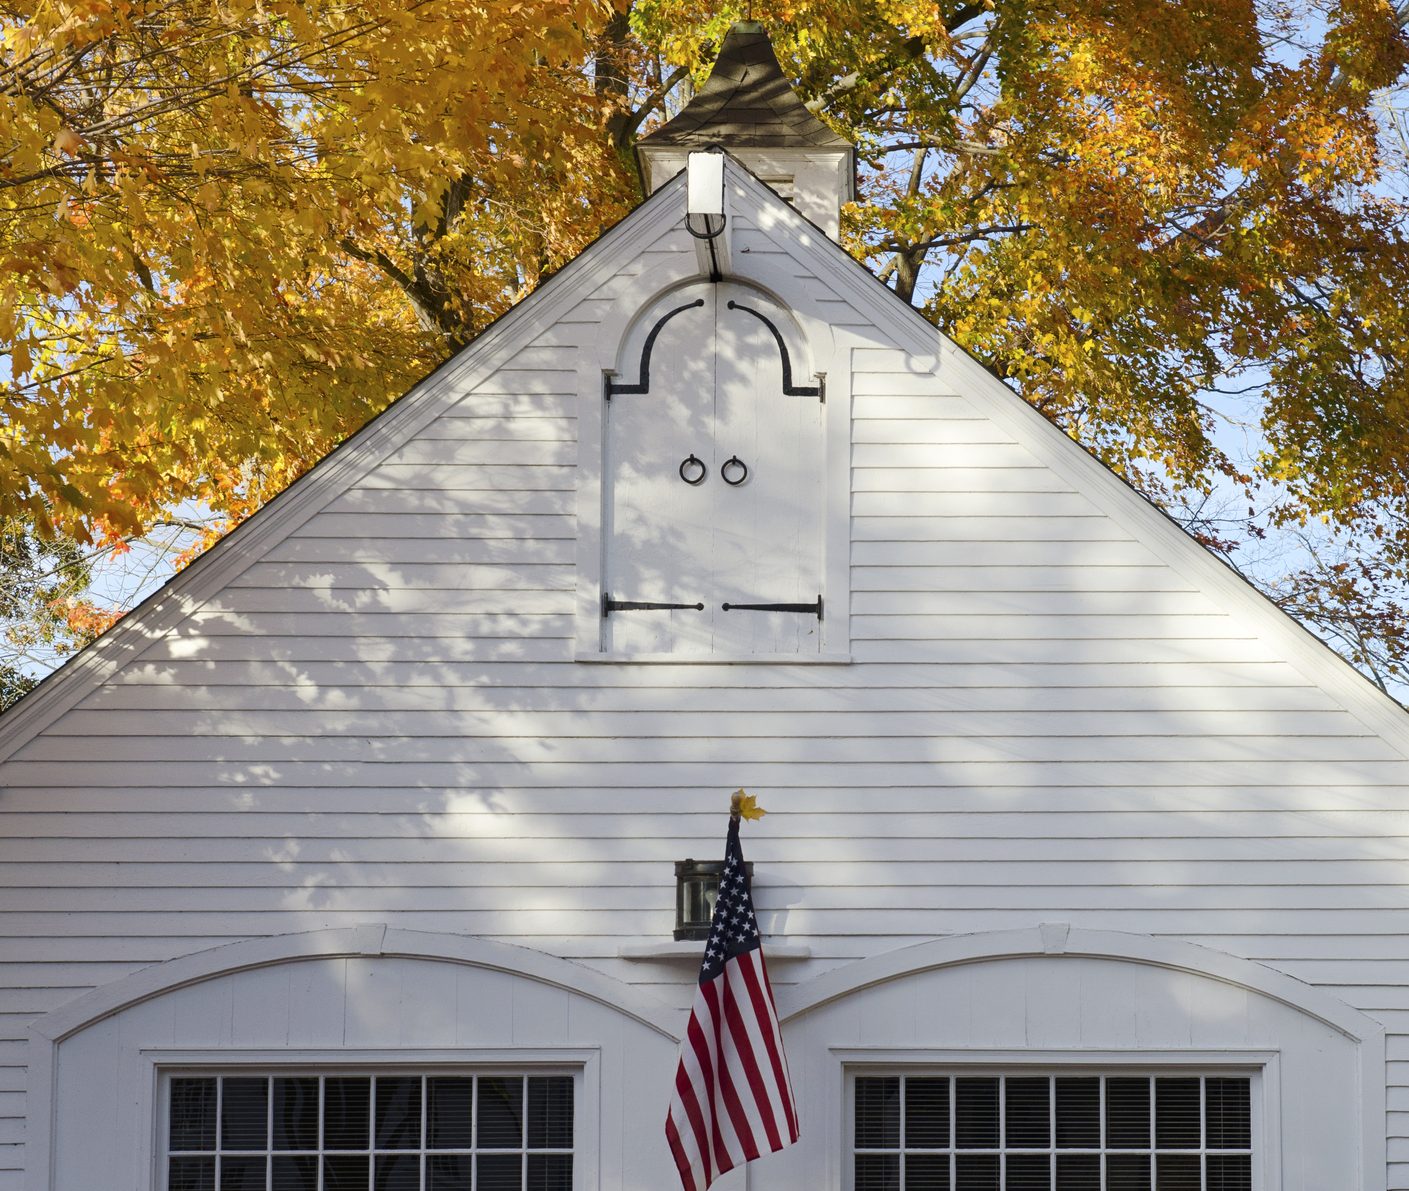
(814, 608)
(610, 605)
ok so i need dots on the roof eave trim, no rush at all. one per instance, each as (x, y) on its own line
(402, 419)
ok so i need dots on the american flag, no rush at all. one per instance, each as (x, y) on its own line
(733, 1101)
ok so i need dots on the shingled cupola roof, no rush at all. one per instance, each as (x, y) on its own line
(746, 103)
(748, 108)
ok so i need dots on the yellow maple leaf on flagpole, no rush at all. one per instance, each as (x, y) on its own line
(745, 806)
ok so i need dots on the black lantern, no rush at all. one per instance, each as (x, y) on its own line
(696, 891)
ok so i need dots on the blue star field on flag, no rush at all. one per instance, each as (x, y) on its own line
(734, 929)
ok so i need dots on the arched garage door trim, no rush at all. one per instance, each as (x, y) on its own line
(371, 940)
(1058, 942)
(1057, 939)
(377, 940)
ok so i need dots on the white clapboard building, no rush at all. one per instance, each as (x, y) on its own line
(349, 860)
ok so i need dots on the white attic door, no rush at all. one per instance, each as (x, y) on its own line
(711, 386)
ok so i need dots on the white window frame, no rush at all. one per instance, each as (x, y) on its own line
(1261, 1067)
(583, 1064)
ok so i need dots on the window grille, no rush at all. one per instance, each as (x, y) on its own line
(356, 1132)
(1049, 1132)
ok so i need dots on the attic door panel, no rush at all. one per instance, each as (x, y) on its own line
(660, 529)
(767, 547)
(715, 393)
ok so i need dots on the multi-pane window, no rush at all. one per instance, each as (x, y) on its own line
(1051, 1132)
(362, 1132)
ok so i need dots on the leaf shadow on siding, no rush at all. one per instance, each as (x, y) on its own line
(382, 722)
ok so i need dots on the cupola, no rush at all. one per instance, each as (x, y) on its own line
(749, 109)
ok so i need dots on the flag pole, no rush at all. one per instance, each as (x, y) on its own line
(733, 1098)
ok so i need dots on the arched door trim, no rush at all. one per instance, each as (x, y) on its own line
(376, 939)
(1056, 939)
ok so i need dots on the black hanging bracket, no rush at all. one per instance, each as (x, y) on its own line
(610, 605)
(815, 608)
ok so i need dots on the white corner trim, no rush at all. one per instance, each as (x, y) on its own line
(1031, 942)
(143, 985)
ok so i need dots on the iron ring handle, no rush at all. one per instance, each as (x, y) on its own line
(697, 462)
(734, 461)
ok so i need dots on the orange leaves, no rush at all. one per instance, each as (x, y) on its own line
(84, 618)
(68, 142)
(212, 273)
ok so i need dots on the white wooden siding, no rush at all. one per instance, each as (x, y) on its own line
(379, 719)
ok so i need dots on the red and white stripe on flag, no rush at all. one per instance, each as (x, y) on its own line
(733, 1100)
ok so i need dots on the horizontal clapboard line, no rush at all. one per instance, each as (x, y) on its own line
(311, 548)
(888, 359)
(362, 745)
(1032, 678)
(447, 502)
(1132, 776)
(1375, 998)
(1332, 972)
(942, 847)
(1107, 626)
(962, 527)
(1275, 949)
(292, 693)
(437, 451)
(350, 884)
(226, 616)
(450, 477)
(657, 923)
(914, 432)
(488, 429)
(979, 481)
(253, 647)
(517, 407)
(942, 839)
(1062, 553)
(258, 601)
(533, 358)
(1038, 605)
(930, 455)
(518, 383)
(330, 646)
(1094, 580)
(1050, 505)
(587, 838)
(381, 625)
(886, 396)
(401, 526)
(569, 335)
(851, 725)
(404, 576)
(589, 310)
(99, 948)
(1015, 649)
(923, 798)
(45, 980)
